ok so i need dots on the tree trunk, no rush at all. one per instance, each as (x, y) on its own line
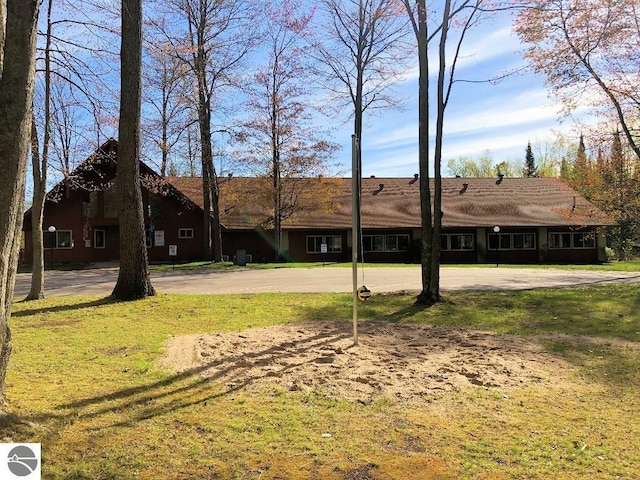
(133, 277)
(40, 165)
(16, 99)
(216, 233)
(207, 162)
(37, 216)
(434, 286)
(424, 298)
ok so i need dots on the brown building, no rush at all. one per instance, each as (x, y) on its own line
(83, 214)
(485, 220)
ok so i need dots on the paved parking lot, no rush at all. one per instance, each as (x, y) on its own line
(101, 281)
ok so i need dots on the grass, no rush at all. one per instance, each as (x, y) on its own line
(84, 373)
(627, 266)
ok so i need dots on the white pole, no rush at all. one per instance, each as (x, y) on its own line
(355, 172)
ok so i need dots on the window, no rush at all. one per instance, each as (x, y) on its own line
(456, 241)
(315, 242)
(154, 208)
(461, 242)
(99, 239)
(512, 241)
(385, 243)
(373, 243)
(185, 233)
(524, 240)
(584, 240)
(149, 237)
(572, 240)
(559, 240)
(57, 239)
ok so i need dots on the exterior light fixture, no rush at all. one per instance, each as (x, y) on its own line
(52, 230)
(496, 230)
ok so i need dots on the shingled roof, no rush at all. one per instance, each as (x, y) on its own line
(395, 203)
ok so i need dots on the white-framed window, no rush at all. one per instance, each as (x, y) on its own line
(512, 241)
(99, 239)
(559, 240)
(315, 242)
(385, 243)
(457, 241)
(185, 233)
(58, 239)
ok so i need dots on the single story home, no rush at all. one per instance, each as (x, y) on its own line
(484, 220)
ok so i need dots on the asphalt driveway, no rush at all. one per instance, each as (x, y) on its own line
(101, 281)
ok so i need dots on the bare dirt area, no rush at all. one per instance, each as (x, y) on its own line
(403, 362)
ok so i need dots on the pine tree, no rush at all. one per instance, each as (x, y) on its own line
(530, 168)
(565, 169)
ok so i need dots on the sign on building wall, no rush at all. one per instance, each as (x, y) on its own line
(173, 250)
(159, 238)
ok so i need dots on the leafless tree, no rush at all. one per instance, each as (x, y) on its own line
(63, 74)
(281, 142)
(431, 23)
(212, 38)
(363, 52)
(167, 94)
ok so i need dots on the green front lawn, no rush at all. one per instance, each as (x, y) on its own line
(84, 379)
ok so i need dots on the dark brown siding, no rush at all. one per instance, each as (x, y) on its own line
(256, 243)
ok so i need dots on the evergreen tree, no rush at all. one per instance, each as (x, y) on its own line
(565, 169)
(530, 168)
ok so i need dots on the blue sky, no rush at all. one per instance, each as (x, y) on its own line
(500, 118)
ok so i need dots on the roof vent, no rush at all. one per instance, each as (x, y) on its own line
(464, 188)
(380, 188)
(500, 177)
(415, 179)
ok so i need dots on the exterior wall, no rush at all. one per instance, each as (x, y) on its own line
(71, 214)
(573, 254)
(256, 243)
(391, 251)
(65, 215)
(511, 251)
(452, 254)
(298, 247)
(172, 218)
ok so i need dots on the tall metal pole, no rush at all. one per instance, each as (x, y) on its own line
(355, 210)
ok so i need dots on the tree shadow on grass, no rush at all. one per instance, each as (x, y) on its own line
(62, 308)
(184, 389)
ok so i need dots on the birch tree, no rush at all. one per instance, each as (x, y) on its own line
(63, 77)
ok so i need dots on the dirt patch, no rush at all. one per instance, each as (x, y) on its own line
(404, 362)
